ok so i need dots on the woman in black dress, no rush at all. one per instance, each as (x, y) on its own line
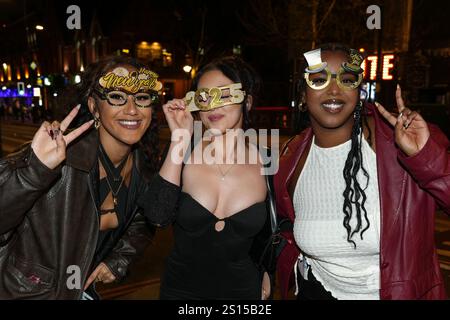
(219, 206)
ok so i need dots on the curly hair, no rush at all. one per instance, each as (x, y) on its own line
(80, 93)
(354, 193)
(236, 70)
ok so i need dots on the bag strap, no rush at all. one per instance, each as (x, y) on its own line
(272, 206)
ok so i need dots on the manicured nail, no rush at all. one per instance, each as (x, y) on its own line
(398, 86)
(78, 106)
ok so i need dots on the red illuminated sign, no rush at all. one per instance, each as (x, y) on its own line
(372, 61)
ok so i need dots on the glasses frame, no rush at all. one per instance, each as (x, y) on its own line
(103, 95)
(336, 76)
(237, 96)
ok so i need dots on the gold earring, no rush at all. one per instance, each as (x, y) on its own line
(302, 107)
(96, 123)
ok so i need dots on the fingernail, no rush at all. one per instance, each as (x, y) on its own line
(398, 86)
(377, 104)
(78, 106)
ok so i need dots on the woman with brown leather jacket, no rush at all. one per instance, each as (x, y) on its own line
(68, 201)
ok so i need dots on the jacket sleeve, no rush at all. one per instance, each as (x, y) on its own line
(130, 246)
(23, 179)
(160, 201)
(431, 167)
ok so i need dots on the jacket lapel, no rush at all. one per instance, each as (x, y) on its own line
(287, 165)
(82, 153)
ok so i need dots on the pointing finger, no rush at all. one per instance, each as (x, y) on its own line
(386, 114)
(77, 132)
(92, 278)
(398, 97)
(69, 118)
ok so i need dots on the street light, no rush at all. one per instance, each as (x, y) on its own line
(187, 68)
(39, 27)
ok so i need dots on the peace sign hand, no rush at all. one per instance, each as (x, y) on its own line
(411, 130)
(49, 144)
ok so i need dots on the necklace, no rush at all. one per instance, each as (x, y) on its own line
(226, 172)
(113, 174)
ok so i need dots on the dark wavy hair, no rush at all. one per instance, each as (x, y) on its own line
(237, 70)
(354, 193)
(80, 93)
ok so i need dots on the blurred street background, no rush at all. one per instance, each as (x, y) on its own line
(41, 56)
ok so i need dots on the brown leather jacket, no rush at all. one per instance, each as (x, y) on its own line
(410, 190)
(49, 221)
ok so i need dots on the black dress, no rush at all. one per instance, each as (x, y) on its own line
(210, 264)
(205, 263)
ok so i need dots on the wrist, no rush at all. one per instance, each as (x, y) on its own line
(180, 136)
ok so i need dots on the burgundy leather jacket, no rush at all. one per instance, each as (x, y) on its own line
(410, 190)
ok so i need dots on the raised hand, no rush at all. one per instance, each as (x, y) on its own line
(178, 116)
(411, 130)
(49, 144)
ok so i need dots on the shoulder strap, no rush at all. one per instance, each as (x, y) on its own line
(269, 183)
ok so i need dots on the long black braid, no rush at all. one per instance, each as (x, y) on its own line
(353, 194)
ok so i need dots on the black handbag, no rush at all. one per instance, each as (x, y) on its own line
(275, 242)
(270, 241)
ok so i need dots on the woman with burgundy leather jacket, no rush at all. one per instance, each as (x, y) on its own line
(361, 187)
(68, 202)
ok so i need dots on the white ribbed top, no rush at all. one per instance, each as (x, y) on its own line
(347, 273)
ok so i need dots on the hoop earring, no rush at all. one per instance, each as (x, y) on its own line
(302, 107)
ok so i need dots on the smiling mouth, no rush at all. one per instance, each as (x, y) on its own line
(130, 124)
(333, 105)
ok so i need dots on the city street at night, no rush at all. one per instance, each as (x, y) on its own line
(282, 150)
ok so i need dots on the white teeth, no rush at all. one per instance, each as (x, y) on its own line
(333, 105)
(128, 123)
